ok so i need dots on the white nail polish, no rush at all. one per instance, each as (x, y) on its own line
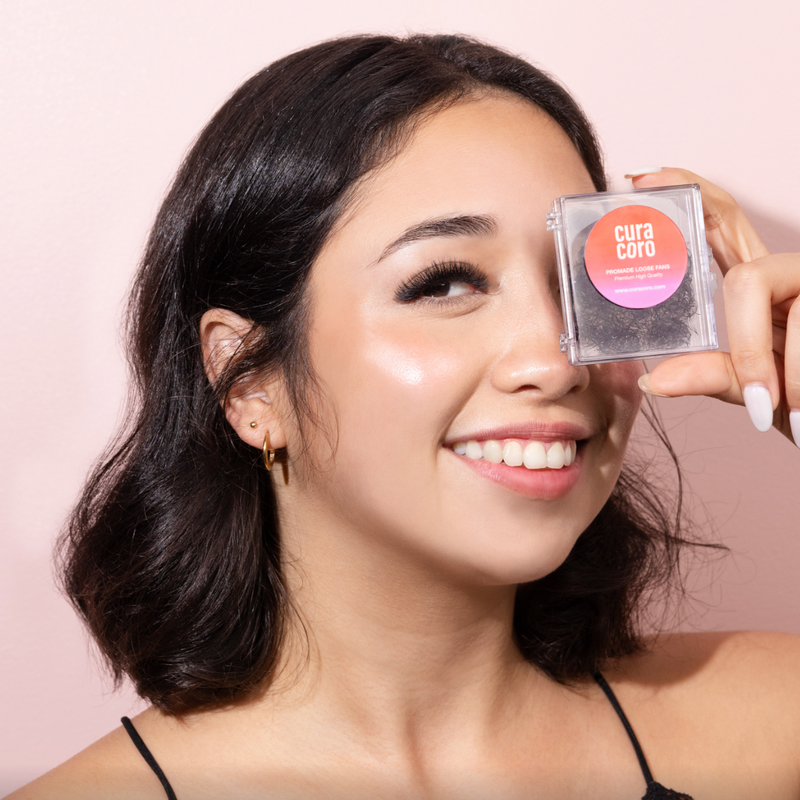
(635, 173)
(758, 402)
(794, 424)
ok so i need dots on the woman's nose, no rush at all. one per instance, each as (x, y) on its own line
(530, 358)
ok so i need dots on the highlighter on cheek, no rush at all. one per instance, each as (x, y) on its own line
(635, 274)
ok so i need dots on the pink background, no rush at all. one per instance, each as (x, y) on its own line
(98, 102)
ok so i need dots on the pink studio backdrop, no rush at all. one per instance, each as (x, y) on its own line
(98, 102)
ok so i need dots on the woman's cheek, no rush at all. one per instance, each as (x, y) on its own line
(618, 382)
(391, 382)
(620, 396)
(418, 381)
(629, 393)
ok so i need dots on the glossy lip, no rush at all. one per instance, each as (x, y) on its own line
(539, 484)
(538, 431)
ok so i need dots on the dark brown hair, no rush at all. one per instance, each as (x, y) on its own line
(172, 554)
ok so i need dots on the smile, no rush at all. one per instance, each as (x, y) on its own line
(528, 454)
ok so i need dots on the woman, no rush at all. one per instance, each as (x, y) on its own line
(351, 279)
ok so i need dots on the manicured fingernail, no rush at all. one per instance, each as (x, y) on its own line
(644, 385)
(635, 173)
(758, 402)
(794, 424)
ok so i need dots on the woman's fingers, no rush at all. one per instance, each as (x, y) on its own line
(763, 316)
(751, 290)
(730, 234)
(708, 374)
(713, 375)
(763, 368)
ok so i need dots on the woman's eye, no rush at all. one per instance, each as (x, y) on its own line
(447, 289)
(443, 282)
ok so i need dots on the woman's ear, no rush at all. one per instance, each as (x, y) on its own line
(252, 409)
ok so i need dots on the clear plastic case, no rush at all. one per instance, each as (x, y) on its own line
(635, 274)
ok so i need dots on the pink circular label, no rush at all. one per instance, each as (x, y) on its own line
(636, 256)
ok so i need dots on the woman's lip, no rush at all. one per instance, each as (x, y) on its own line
(539, 484)
(538, 431)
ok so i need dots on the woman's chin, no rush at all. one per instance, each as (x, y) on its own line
(506, 561)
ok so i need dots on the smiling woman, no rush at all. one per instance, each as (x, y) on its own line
(351, 276)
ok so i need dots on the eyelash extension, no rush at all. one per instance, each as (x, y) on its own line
(437, 274)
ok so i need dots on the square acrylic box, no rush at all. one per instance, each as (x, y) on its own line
(635, 274)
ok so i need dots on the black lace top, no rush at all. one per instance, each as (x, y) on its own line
(655, 791)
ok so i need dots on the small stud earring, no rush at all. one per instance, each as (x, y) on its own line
(253, 424)
(269, 455)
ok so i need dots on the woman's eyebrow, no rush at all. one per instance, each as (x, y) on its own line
(462, 225)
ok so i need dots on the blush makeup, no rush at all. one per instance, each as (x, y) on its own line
(635, 274)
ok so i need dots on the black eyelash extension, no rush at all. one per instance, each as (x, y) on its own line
(438, 273)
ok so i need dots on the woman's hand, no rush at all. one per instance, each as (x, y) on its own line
(762, 310)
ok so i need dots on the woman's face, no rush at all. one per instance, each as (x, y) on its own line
(435, 323)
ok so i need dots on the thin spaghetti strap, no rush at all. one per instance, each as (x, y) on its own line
(648, 776)
(148, 757)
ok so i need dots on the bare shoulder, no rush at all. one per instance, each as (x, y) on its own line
(717, 714)
(111, 767)
(743, 685)
(760, 662)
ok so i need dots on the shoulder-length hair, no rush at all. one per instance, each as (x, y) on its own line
(172, 554)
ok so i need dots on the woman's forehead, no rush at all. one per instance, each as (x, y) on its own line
(495, 155)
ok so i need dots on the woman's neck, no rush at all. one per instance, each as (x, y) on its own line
(393, 648)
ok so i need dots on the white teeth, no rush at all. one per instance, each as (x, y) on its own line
(474, 450)
(535, 456)
(493, 452)
(512, 454)
(555, 456)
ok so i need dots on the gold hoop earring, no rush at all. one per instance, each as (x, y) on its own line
(269, 455)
